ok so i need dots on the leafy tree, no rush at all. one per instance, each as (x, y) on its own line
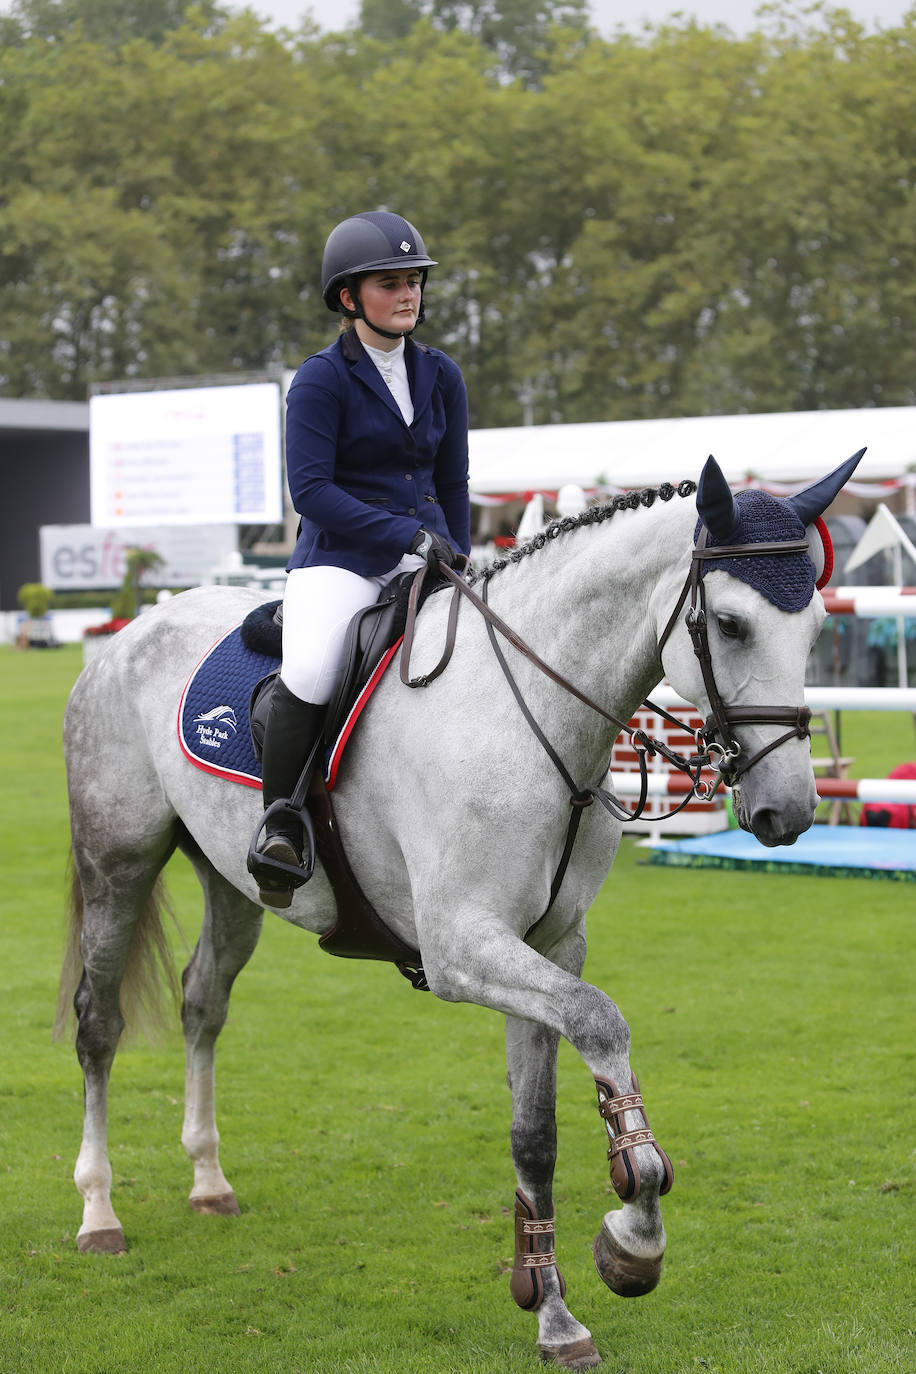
(112, 22)
(675, 223)
(135, 224)
(516, 32)
(389, 19)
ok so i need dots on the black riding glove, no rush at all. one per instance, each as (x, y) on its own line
(434, 549)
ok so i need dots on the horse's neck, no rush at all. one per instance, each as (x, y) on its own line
(590, 601)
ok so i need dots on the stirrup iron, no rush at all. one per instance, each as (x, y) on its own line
(274, 873)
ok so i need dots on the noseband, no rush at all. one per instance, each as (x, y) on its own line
(716, 737)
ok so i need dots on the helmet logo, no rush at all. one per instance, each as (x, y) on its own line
(404, 246)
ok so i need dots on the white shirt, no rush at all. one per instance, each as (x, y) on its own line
(393, 369)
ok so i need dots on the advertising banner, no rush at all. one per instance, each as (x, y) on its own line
(84, 558)
(202, 455)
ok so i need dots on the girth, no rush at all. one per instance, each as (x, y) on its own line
(359, 932)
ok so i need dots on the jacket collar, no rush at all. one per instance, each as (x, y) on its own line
(422, 368)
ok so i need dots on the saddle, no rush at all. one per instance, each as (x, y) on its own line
(359, 932)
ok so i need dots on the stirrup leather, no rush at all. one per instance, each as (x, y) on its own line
(612, 1105)
(527, 1282)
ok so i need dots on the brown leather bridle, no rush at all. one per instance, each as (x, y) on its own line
(721, 717)
(716, 745)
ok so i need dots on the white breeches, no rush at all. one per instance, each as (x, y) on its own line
(318, 605)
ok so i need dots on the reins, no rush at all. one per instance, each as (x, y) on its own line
(645, 746)
(721, 754)
(579, 797)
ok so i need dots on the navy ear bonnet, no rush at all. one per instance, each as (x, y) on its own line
(786, 580)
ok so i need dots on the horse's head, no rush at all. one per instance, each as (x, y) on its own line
(753, 618)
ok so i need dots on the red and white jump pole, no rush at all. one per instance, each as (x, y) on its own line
(902, 790)
(870, 601)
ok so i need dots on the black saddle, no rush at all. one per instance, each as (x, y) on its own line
(370, 633)
(359, 932)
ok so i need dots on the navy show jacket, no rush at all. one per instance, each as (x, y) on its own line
(364, 481)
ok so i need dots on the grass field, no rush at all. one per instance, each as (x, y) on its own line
(365, 1130)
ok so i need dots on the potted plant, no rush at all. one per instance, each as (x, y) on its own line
(35, 630)
(138, 561)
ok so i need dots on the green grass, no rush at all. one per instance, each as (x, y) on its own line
(365, 1130)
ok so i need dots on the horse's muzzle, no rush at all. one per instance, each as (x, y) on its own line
(772, 826)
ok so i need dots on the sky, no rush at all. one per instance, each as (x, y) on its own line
(606, 14)
(739, 15)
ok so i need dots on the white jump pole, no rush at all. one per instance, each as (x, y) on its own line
(823, 698)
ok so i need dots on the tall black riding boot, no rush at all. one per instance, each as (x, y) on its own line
(290, 734)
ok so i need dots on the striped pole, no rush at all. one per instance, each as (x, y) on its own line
(870, 601)
(851, 789)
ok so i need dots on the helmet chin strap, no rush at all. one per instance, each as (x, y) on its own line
(387, 333)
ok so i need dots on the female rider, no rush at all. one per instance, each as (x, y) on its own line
(377, 466)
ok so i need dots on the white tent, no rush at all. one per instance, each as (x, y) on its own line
(773, 449)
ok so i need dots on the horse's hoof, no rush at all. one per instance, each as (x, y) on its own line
(574, 1355)
(630, 1276)
(110, 1242)
(222, 1205)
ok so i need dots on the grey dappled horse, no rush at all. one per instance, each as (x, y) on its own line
(455, 820)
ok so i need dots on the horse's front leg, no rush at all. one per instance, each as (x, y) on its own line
(537, 1284)
(477, 959)
(229, 934)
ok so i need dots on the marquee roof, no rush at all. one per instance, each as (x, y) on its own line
(779, 448)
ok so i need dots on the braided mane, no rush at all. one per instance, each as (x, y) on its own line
(594, 515)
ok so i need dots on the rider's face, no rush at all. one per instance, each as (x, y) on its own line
(390, 300)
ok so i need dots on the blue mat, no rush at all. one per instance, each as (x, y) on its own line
(831, 851)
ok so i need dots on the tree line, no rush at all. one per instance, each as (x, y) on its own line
(672, 222)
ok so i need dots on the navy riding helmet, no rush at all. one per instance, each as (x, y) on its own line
(370, 242)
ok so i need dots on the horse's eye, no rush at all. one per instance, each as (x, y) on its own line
(730, 627)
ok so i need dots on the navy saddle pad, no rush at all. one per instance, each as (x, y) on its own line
(213, 714)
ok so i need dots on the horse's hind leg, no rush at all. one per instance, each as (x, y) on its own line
(230, 932)
(120, 918)
(531, 1058)
(99, 1028)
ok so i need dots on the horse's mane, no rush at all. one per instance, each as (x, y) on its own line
(594, 515)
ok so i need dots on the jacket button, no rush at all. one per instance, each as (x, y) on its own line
(411, 511)
(408, 476)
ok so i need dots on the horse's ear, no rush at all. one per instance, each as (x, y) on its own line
(715, 502)
(814, 500)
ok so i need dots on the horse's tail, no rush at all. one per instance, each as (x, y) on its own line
(150, 989)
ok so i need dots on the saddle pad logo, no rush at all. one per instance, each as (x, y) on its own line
(214, 726)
